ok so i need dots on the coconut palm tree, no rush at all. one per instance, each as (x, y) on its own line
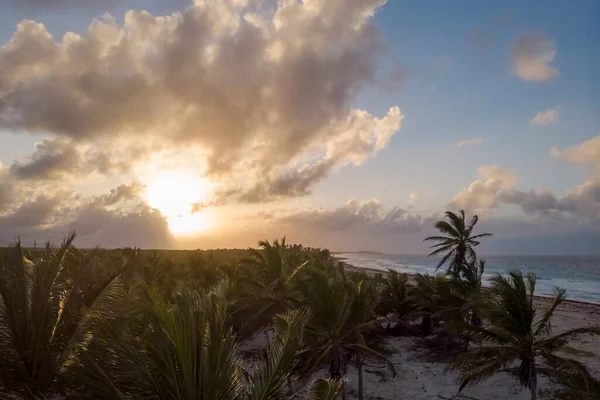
(517, 333)
(457, 245)
(396, 300)
(343, 314)
(46, 310)
(268, 274)
(184, 350)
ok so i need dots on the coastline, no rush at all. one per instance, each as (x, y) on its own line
(419, 377)
(375, 271)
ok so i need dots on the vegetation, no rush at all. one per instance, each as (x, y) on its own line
(516, 332)
(457, 245)
(133, 324)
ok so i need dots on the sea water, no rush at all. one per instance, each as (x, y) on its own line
(580, 276)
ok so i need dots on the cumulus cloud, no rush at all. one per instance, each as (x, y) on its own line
(469, 142)
(587, 152)
(531, 57)
(359, 216)
(102, 219)
(483, 193)
(546, 117)
(255, 92)
(581, 204)
(58, 158)
(532, 201)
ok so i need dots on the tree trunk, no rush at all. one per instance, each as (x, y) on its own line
(360, 377)
(533, 381)
(533, 388)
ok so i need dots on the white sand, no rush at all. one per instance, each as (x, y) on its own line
(420, 379)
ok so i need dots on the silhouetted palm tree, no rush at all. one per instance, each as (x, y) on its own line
(517, 333)
(457, 245)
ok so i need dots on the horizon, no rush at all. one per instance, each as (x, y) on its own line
(197, 124)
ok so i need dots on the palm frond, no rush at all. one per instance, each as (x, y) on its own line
(270, 380)
(325, 389)
(543, 325)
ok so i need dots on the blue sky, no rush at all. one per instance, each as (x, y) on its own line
(456, 80)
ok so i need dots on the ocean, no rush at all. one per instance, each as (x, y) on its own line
(580, 276)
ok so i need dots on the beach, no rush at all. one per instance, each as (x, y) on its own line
(420, 377)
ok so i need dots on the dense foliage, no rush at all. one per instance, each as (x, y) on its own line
(134, 324)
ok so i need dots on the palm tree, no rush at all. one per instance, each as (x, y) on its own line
(343, 314)
(47, 307)
(183, 350)
(517, 333)
(396, 300)
(268, 274)
(457, 245)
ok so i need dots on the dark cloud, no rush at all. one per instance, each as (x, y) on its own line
(121, 193)
(48, 217)
(59, 159)
(532, 201)
(361, 217)
(52, 159)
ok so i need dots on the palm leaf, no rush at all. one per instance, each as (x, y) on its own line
(325, 389)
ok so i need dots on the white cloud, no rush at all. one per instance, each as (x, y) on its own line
(257, 94)
(469, 142)
(587, 152)
(483, 194)
(531, 56)
(546, 117)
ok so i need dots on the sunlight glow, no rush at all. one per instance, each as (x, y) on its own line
(173, 193)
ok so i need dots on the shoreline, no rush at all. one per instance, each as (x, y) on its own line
(375, 271)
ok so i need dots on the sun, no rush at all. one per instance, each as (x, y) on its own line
(174, 193)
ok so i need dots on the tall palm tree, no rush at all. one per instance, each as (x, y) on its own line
(457, 245)
(517, 333)
(47, 307)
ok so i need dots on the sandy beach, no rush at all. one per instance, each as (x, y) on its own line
(419, 377)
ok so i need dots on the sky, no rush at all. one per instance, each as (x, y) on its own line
(347, 125)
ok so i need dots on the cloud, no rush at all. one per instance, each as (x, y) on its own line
(531, 55)
(52, 159)
(483, 194)
(581, 204)
(255, 92)
(469, 142)
(99, 220)
(58, 158)
(587, 152)
(360, 137)
(358, 216)
(532, 201)
(546, 117)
